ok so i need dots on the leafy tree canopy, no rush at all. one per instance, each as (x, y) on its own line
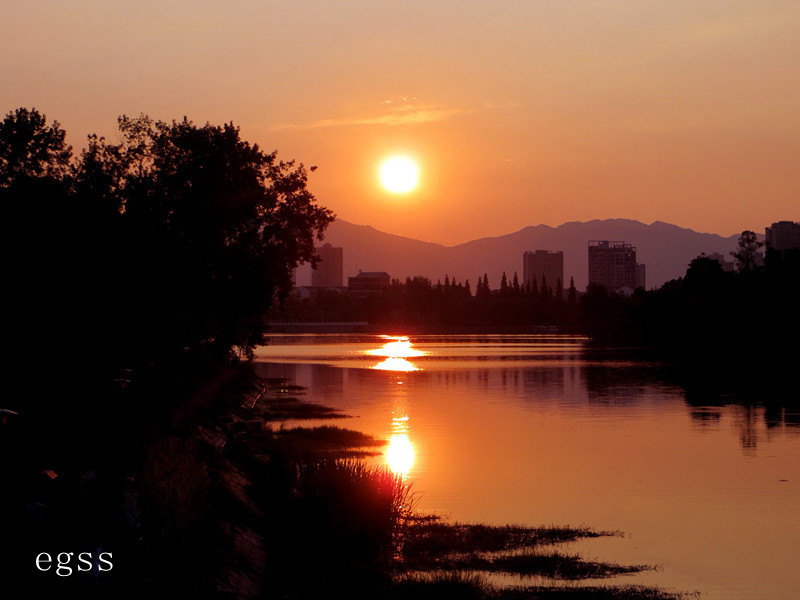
(745, 254)
(175, 240)
(31, 148)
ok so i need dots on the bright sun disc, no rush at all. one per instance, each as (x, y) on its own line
(399, 175)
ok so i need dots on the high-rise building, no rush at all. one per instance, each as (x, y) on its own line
(613, 265)
(543, 263)
(783, 235)
(329, 272)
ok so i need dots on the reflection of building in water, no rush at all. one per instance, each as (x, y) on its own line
(747, 420)
(780, 416)
(620, 386)
(544, 377)
(752, 424)
(278, 371)
(706, 416)
(554, 383)
(327, 381)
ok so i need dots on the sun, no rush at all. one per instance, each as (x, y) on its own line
(399, 174)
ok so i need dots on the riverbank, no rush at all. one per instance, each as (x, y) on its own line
(225, 501)
(312, 507)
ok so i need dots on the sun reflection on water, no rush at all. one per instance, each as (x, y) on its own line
(395, 363)
(396, 353)
(400, 454)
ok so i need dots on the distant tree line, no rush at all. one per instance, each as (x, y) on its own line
(744, 317)
(705, 314)
(417, 304)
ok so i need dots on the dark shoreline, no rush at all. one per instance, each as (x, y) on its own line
(237, 486)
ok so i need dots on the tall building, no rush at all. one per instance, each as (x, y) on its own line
(329, 272)
(783, 235)
(613, 265)
(543, 263)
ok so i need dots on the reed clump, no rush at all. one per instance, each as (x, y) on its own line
(339, 519)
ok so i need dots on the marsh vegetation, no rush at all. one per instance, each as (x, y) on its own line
(320, 519)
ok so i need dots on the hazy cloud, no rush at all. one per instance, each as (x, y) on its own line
(403, 110)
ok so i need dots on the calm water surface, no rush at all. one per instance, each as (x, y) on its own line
(527, 429)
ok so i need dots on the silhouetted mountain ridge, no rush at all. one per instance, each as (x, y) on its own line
(664, 248)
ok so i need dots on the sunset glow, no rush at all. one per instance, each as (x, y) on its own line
(396, 299)
(570, 111)
(399, 175)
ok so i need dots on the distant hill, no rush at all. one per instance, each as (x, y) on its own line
(665, 249)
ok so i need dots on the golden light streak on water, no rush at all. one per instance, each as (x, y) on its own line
(400, 347)
(400, 454)
(396, 352)
(396, 364)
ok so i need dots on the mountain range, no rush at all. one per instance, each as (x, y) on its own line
(665, 249)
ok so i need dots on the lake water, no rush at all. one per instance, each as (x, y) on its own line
(533, 430)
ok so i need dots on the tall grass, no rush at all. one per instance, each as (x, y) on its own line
(367, 501)
(339, 527)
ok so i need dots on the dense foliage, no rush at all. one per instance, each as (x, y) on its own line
(708, 316)
(135, 273)
(151, 254)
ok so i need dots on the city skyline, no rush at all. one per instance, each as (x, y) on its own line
(534, 113)
(665, 249)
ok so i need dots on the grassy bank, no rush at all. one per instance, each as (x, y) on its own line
(225, 500)
(317, 518)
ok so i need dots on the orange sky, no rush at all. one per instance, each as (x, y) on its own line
(519, 112)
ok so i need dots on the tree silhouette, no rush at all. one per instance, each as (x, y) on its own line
(745, 254)
(558, 291)
(168, 245)
(572, 294)
(31, 148)
(216, 223)
(544, 291)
